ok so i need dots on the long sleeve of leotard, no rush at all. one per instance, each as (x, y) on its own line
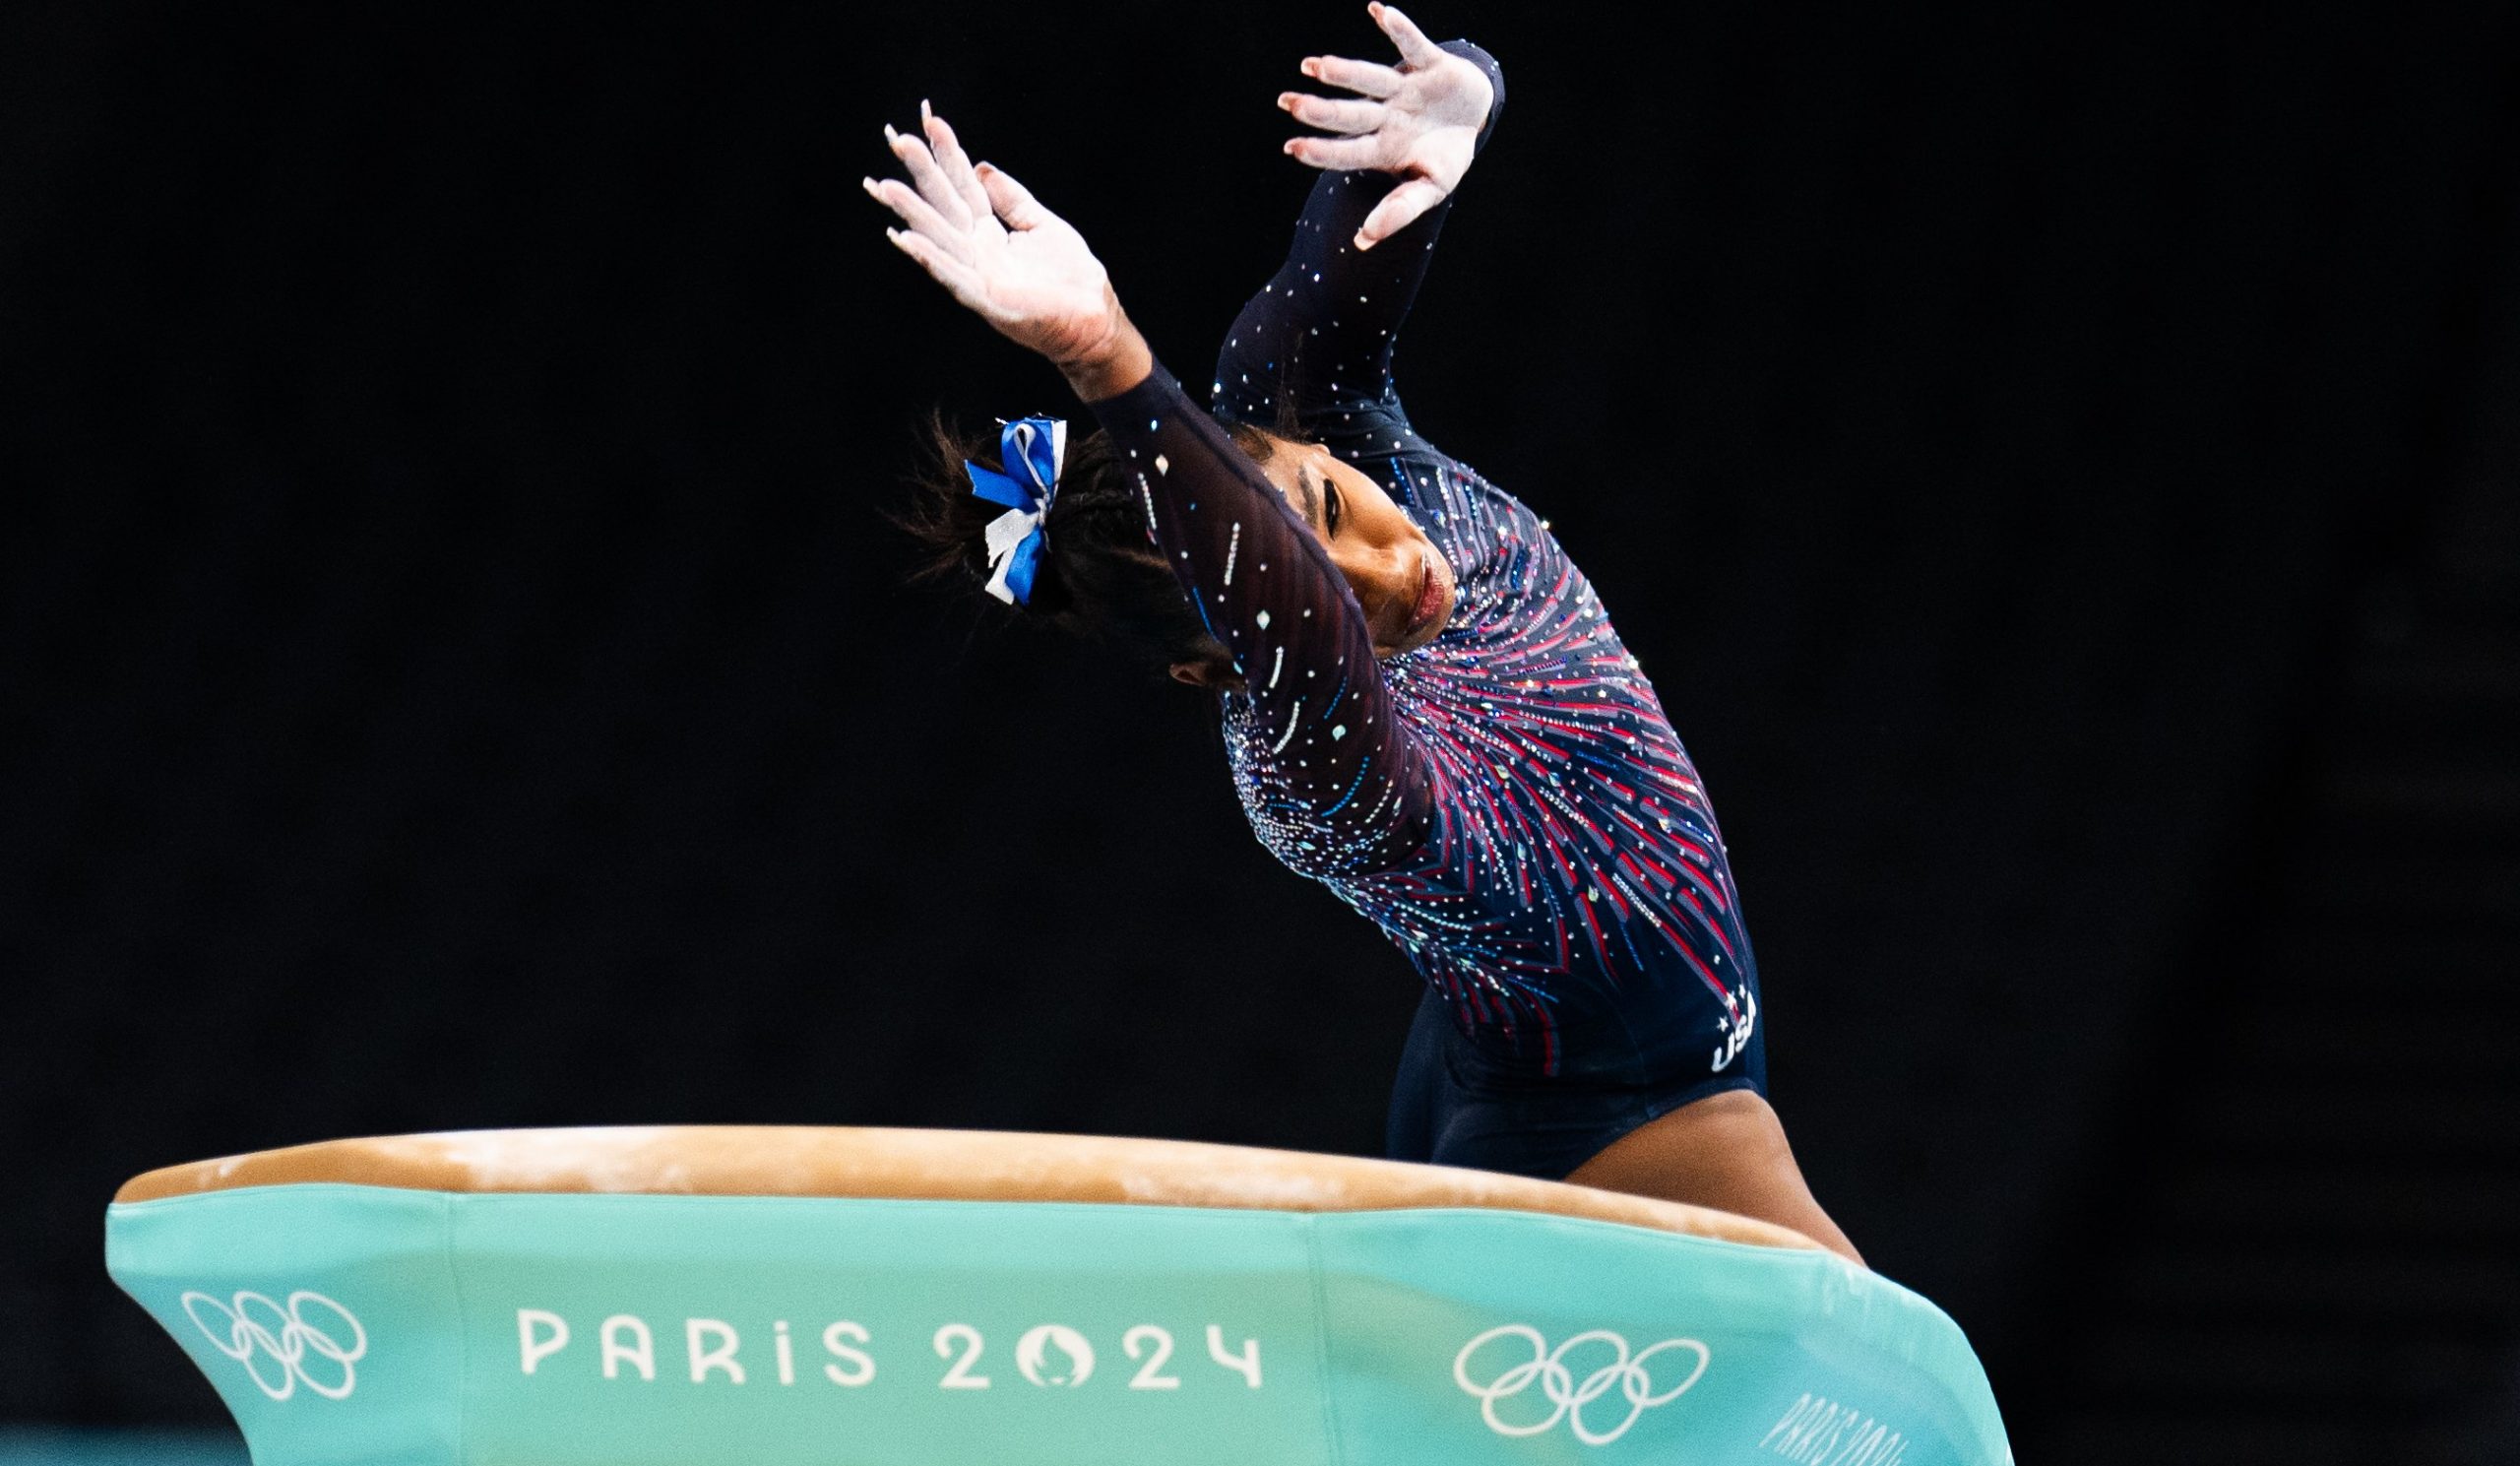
(1312, 350)
(1347, 790)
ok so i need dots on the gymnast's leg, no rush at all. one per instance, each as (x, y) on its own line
(1726, 1151)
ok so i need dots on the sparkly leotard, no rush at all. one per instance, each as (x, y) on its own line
(1508, 802)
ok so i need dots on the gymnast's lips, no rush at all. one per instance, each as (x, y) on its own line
(1431, 597)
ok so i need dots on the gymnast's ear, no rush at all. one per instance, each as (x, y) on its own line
(1214, 674)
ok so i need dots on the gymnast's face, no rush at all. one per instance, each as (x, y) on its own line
(1401, 580)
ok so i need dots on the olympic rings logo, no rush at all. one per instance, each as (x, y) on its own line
(1567, 1398)
(250, 1325)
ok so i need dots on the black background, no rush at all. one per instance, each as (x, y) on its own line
(454, 672)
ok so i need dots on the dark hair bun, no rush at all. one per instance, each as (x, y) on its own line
(1100, 572)
(949, 524)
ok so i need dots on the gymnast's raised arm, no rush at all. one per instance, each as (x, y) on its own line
(1312, 350)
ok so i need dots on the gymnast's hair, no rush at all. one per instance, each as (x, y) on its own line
(1101, 574)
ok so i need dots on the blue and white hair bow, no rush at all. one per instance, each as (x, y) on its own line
(1033, 449)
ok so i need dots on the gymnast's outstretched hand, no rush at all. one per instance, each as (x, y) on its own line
(1013, 263)
(1419, 120)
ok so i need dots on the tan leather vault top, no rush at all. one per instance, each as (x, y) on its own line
(925, 1164)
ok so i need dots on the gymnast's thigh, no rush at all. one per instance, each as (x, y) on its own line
(1727, 1151)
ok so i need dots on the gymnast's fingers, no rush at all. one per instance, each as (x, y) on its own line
(1398, 210)
(1414, 48)
(954, 163)
(929, 180)
(1335, 154)
(1332, 115)
(1361, 77)
(914, 211)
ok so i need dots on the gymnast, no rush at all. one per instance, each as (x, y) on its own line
(1424, 705)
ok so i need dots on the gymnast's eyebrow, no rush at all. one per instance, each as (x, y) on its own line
(1312, 498)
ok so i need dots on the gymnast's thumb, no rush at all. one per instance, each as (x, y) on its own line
(1013, 202)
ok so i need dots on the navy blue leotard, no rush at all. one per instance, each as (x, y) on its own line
(1508, 802)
